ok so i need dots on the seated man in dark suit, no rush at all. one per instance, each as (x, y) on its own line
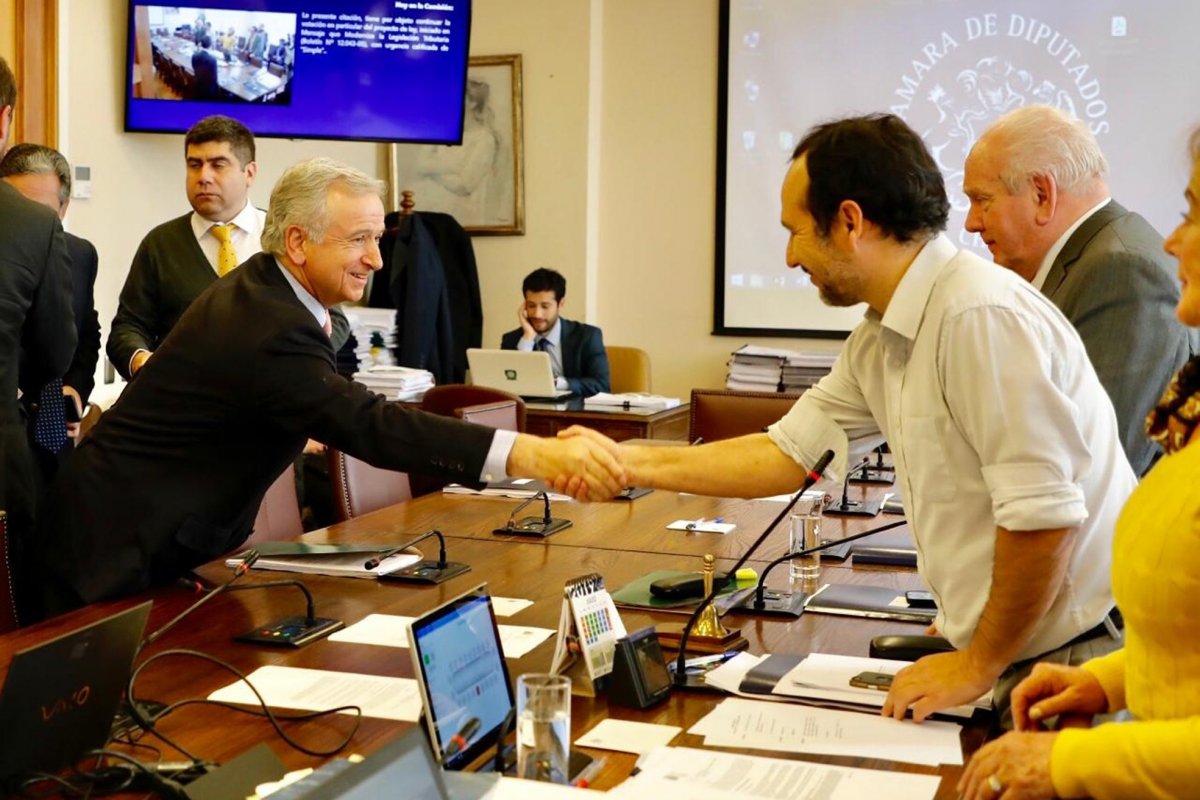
(576, 349)
(172, 476)
(44, 176)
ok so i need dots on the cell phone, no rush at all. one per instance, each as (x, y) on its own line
(920, 599)
(70, 411)
(872, 680)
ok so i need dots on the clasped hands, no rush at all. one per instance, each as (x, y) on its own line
(580, 462)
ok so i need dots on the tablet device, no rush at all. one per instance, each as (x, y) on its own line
(460, 670)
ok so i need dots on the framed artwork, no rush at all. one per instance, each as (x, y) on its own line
(480, 182)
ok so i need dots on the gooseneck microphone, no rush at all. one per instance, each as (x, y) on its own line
(813, 476)
(248, 559)
(879, 472)
(425, 571)
(533, 526)
(854, 508)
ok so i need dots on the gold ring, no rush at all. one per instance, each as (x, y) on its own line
(994, 784)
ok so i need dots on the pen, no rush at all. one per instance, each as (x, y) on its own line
(584, 778)
(697, 440)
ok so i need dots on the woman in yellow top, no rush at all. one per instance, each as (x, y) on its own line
(1156, 582)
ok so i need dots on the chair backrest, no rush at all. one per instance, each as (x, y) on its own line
(8, 594)
(501, 414)
(448, 398)
(724, 413)
(628, 369)
(279, 515)
(359, 488)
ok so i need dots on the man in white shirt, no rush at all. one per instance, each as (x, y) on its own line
(1039, 199)
(181, 258)
(1004, 441)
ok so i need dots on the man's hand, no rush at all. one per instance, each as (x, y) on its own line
(527, 331)
(938, 681)
(72, 396)
(138, 361)
(313, 448)
(582, 462)
(1014, 767)
(1053, 689)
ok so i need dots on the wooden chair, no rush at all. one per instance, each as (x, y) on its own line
(501, 414)
(359, 488)
(724, 413)
(629, 369)
(8, 593)
(447, 399)
(279, 515)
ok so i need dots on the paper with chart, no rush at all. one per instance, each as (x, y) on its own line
(684, 773)
(786, 727)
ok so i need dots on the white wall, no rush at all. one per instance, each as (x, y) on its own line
(640, 254)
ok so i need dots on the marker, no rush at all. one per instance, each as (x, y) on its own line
(584, 778)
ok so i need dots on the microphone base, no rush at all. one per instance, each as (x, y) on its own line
(534, 526)
(881, 476)
(291, 631)
(775, 604)
(427, 572)
(853, 508)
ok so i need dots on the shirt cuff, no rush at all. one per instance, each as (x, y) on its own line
(806, 432)
(561, 384)
(1033, 497)
(526, 346)
(129, 366)
(1110, 671)
(495, 466)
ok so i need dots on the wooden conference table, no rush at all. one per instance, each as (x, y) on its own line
(620, 540)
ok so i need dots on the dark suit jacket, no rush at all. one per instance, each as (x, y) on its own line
(37, 335)
(173, 474)
(168, 272)
(81, 375)
(585, 361)
(204, 67)
(1115, 284)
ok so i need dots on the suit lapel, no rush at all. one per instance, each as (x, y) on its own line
(567, 348)
(1078, 241)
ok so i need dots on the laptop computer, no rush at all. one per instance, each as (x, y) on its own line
(528, 375)
(59, 697)
(463, 679)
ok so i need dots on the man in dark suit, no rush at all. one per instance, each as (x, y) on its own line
(204, 71)
(41, 174)
(1039, 199)
(172, 475)
(37, 327)
(576, 349)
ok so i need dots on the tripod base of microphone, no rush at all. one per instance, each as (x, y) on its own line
(534, 526)
(882, 476)
(427, 572)
(853, 508)
(775, 604)
(292, 631)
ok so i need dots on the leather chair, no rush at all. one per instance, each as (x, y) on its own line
(725, 413)
(447, 399)
(628, 369)
(279, 515)
(8, 594)
(501, 414)
(359, 488)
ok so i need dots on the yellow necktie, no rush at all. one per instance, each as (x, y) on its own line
(226, 255)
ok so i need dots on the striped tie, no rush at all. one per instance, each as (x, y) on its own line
(226, 255)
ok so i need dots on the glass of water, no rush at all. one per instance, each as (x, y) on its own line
(543, 727)
(804, 532)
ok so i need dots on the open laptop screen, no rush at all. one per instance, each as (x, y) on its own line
(463, 678)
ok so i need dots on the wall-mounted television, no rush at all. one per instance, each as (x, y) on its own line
(376, 70)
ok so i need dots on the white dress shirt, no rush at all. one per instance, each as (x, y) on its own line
(246, 234)
(495, 465)
(994, 416)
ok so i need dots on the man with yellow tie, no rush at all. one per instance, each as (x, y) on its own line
(181, 258)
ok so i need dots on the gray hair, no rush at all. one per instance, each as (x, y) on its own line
(1041, 140)
(38, 159)
(299, 198)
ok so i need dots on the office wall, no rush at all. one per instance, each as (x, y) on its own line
(619, 102)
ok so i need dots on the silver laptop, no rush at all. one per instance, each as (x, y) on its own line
(524, 374)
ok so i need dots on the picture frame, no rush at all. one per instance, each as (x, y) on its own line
(481, 183)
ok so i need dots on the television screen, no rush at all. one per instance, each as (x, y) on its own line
(384, 70)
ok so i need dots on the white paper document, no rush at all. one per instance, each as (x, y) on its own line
(319, 690)
(729, 676)
(737, 722)
(634, 399)
(518, 789)
(702, 526)
(390, 630)
(507, 606)
(626, 736)
(684, 773)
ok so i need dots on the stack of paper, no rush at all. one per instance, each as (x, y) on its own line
(396, 383)
(374, 331)
(517, 488)
(632, 399)
(801, 370)
(684, 773)
(756, 369)
(755, 725)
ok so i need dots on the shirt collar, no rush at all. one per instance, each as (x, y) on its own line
(1052, 254)
(319, 312)
(245, 220)
(907, 306)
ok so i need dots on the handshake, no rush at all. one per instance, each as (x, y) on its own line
(580, 462)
